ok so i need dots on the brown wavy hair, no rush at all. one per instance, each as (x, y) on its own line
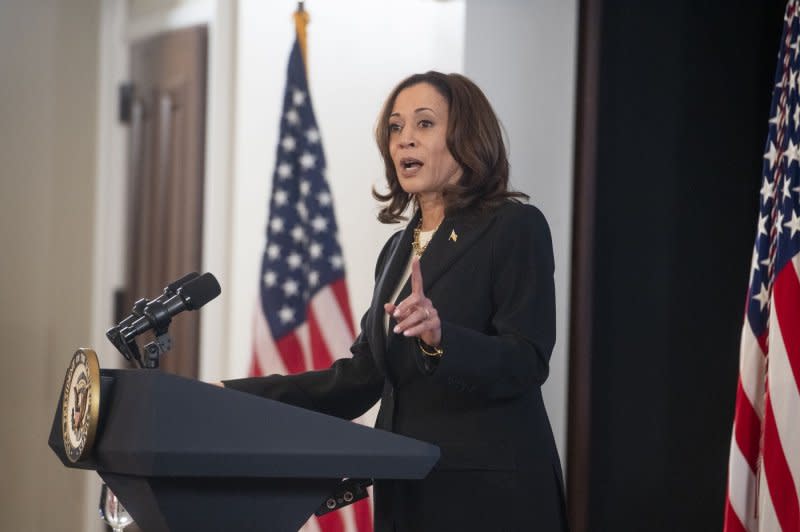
(474, 138)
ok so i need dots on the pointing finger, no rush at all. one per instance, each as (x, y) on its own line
(416, 277)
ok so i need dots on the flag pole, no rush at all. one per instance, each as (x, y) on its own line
(301, 19)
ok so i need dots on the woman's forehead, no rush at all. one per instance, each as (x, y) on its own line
(419, 98)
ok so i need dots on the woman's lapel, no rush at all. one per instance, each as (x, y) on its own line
(396, 264)
(384, 287)
(455, 236)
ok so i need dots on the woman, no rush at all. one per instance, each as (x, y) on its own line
(458, 336)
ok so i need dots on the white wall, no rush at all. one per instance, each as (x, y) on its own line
(522, 53)
(357, 52)
(48, 91)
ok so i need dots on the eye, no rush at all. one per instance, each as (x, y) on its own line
(394, 128)
(425, 123)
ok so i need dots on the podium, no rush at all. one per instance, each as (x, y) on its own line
(185, 455)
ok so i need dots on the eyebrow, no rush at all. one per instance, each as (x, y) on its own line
(416, 111)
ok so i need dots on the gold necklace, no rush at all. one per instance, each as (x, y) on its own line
(419, 249)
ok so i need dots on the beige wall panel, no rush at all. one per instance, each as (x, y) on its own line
(48, 57)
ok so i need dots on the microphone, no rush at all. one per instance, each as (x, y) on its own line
(158, 313)
(172, 288)
(113, 334)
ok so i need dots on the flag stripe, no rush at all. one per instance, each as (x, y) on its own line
(747, 429)
(312, 525)
(767, 519)
(340, 292)
(741, 491)
(255, 369)
(347, 517)
(783, 370)
(303, 333)
(751, 369)
(776, 472)
(332, 522)
(268, 359)
(319, 350)
(291, 352)
(334, 327)
(732, 521)
(787, 315)
(363, 514)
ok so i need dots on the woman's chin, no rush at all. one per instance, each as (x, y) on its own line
(411, 186)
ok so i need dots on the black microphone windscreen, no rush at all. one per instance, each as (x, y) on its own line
(199, 291)
(172, 287)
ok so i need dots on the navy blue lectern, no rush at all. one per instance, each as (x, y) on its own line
(185, 455)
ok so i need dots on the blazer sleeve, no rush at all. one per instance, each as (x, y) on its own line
(347, 389)
(513, 355)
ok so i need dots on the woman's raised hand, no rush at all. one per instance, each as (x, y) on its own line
(416, 315)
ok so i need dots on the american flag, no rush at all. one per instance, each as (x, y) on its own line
(302, 320)
(764, 465)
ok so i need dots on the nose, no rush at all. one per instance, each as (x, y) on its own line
(407, 138)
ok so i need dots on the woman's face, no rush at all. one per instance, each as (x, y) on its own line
(418, 140)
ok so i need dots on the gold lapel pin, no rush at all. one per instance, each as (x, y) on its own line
(453, 235)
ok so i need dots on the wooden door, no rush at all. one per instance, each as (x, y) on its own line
(165, 177)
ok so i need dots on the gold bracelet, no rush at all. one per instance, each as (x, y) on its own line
(437, 351)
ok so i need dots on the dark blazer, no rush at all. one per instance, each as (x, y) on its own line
(491, 279)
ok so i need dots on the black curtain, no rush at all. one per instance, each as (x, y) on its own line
(682, 93)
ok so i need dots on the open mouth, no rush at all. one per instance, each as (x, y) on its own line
(409, 164)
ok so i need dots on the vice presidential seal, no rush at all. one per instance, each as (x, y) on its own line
(80, 404)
